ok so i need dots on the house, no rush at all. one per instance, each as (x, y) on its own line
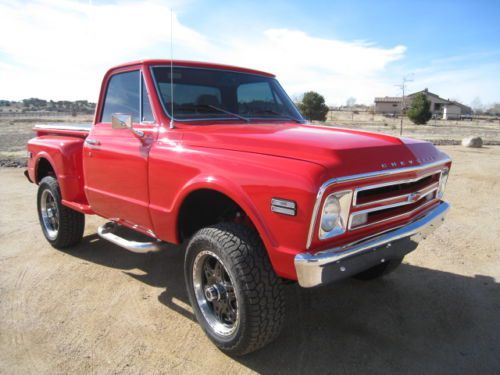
(388, 105)
(443, 108)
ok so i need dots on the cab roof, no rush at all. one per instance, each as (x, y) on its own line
(194, 64)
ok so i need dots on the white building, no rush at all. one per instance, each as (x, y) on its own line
(443, 108)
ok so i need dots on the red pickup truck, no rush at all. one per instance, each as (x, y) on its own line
(219, 158)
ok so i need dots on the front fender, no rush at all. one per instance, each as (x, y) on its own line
(250, 180)
(233, 191)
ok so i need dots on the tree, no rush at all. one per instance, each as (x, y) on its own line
(420, 109)
(494, 109)
(34, 102)
(313, 106)
(477, 105)
(351, 102)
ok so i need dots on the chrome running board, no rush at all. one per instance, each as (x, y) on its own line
(107, 232)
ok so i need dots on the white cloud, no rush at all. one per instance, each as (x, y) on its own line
(60, 49)
(335, 68)
(462, 82)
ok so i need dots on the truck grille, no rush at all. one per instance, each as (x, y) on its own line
(391, 200)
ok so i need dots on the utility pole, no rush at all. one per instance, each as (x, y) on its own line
(402, 86)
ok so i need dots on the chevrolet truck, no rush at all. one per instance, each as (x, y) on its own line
(219, 159)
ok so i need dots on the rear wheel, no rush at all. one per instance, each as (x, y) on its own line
(61, 226)
(235, 294)
(379, 270)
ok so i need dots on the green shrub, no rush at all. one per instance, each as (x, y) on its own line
(313, 106)
(420, 110)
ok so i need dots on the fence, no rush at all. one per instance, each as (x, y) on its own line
(42, 114)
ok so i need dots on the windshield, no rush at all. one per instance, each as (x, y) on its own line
(211, 94)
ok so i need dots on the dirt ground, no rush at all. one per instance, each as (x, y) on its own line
(15, 131)
(435, 130)
(98, 309)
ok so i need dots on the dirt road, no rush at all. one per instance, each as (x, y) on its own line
(98, 309)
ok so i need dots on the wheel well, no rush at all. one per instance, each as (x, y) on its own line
(207, 207)
(44, 169)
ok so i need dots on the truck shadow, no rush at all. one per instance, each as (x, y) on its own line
(163, 269)
(416, 320)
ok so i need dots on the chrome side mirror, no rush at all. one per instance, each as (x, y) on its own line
(121, 121)
(124, 121)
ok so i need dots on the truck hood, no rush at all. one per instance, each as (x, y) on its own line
(344, 150)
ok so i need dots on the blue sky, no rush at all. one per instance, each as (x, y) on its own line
(60, 49)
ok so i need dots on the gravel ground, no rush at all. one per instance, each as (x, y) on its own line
(16, 131)
(99, 309)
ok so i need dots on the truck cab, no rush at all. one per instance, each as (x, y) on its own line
(219, 158)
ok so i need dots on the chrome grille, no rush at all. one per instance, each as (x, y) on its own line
(358, 178)
(374, 204)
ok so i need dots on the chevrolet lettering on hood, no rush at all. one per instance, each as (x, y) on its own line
(407, 163)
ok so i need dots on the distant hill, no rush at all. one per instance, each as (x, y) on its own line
(41, 105)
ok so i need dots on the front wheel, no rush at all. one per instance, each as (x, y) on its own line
(61, 226)
(235, 294)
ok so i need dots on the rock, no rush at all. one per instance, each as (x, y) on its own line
(12, 163)
(475, 142)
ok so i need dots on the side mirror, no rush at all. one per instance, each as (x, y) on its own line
(123, 121)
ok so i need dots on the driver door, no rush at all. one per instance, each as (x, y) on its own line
(116, 160)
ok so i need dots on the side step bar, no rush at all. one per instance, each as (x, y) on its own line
(107, 230)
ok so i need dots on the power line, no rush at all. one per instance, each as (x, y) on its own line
(402, 86)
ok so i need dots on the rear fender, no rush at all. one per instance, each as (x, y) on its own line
(64, 154)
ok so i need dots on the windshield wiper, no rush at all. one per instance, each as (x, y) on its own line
(223, 111)
(283, 115)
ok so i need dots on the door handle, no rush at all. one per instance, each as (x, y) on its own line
(92, 142)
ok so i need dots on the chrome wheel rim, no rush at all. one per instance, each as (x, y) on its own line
(215, 293)
(50, 214)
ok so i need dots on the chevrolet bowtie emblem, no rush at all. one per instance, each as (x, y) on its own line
(412, 197)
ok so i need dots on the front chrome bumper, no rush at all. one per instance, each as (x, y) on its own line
(341, 262)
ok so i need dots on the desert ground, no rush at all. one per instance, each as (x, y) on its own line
(436, 130)
(98, 309)
(15, 131)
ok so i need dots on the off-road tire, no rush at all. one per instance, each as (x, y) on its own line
(71, 223)
(259, 290)
(379, 270)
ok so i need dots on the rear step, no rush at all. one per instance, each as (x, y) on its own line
(108, 232)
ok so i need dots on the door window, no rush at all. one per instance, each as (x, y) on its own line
(122, 96)
(147, 113)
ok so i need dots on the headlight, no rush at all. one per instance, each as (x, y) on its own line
(442, 183)
(331, 214)
(335, 214)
